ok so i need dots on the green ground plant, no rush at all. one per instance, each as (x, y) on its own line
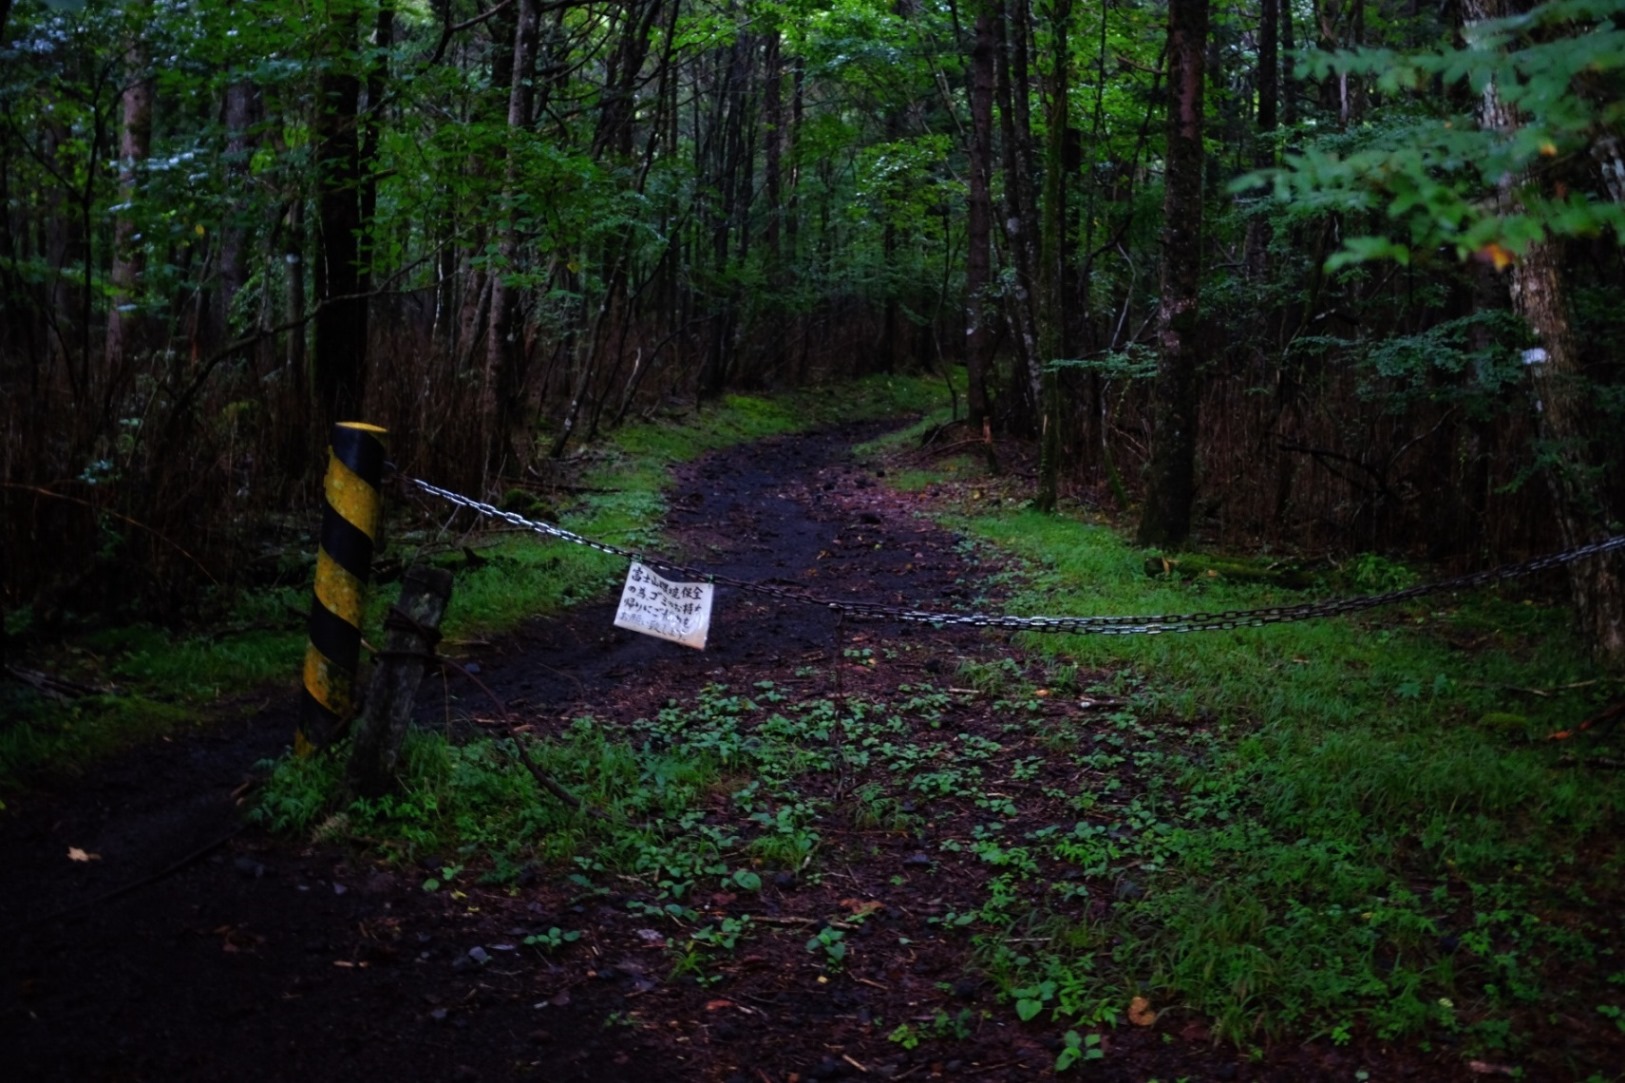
(1352, 844)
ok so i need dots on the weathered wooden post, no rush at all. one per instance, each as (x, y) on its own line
(412, 630)
(355, 466)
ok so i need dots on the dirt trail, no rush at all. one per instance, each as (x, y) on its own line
(193, 948)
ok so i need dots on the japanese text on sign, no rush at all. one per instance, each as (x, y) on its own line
(680, 612)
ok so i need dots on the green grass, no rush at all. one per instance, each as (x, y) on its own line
(1366, 845)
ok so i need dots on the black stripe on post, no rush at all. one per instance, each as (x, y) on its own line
(349, 517)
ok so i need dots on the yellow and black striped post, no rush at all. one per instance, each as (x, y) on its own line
(355, 465)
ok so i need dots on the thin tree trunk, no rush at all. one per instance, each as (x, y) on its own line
(1269, 93)
(1171, 490)
(240, 113)
(979, 219)
(1052, 320)
(504, 342)
(125, 323)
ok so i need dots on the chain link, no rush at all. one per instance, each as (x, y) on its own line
(1110, 626)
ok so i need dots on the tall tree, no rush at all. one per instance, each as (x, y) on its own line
(979, 217)
(341, 314)
(504, 343)
(1171, 483)
(1054, 249)
(1020, 224)
(1562, 394)
(125, 318)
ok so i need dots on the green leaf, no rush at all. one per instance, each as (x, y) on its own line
(1366, 249)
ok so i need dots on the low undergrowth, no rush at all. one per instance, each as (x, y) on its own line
(1370, 865)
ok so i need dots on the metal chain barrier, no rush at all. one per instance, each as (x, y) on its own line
(1118, 626)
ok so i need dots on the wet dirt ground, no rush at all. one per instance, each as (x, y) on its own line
(190, 945)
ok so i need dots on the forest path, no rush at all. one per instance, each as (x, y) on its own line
(191, 947)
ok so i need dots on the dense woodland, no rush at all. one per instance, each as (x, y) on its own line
(1313, 275)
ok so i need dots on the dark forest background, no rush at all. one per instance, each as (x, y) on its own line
(1315, 276)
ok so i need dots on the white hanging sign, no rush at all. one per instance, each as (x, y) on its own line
(680, 612)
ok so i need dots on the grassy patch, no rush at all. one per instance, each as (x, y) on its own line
(1372, 840)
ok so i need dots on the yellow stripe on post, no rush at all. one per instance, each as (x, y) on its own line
(350, 518)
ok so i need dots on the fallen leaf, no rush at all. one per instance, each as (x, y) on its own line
(1140, 1013)
(76, 854)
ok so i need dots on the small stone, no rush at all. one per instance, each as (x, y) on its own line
(479, 955)
(917, 859)
(438, 1015)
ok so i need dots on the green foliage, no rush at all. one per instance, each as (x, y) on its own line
(1433, 176)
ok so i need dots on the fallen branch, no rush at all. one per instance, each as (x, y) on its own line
(58, 688)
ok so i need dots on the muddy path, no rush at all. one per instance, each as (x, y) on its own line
(187, 945)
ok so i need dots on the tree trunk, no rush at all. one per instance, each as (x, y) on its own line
(979, 219)
(125, 323)
(413, 625)
(1566, 420)
(1289, 48)
(1269, 93)
(504, 342)
(1052, 321)
(1016, 127)
(1561, 392)
(240, 113)
(341, 316)
(1166, 519)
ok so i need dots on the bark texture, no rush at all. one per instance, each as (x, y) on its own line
(1561, 395)
(1171, 484)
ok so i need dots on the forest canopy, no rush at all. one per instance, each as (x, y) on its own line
(1329, 275)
